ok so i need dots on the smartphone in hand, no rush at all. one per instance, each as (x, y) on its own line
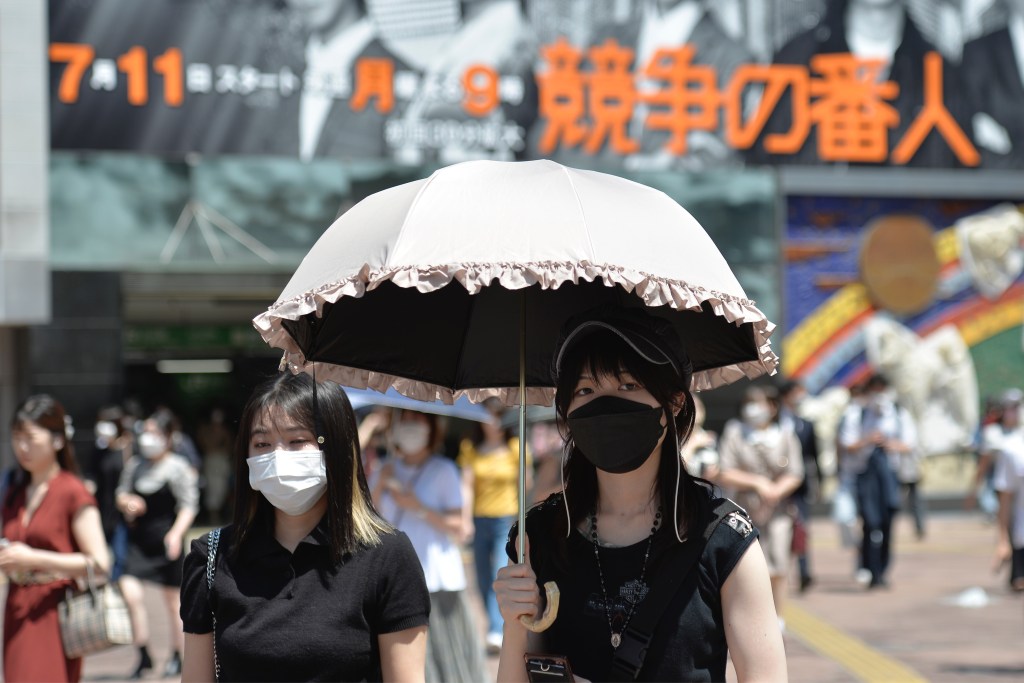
(542, 668)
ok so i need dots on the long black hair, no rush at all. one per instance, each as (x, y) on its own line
(605, 353)
(351, 519)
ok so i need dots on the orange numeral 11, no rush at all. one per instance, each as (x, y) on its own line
(169, 66)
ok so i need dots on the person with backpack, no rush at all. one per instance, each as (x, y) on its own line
(658, 579)
(873, 438)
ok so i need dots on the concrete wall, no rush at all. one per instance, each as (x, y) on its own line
(24, 155)
(24, 197)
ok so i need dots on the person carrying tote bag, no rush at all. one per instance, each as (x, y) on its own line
(53, 534)
(93, 619)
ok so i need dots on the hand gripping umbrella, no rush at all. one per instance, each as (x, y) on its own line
(458, 285)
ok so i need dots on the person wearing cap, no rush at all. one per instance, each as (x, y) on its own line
(628, 512)
(1004, 442)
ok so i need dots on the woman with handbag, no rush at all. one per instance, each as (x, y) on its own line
(636, 545)
(308, 582)
(52, 534)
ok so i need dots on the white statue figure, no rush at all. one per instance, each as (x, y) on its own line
(990, 248)
(934, 379)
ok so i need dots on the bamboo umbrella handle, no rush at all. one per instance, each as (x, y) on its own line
(550, 611)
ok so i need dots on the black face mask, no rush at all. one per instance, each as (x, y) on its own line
(616, 435)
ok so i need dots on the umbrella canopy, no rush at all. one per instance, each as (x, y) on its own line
(431, 287)
(462, 408)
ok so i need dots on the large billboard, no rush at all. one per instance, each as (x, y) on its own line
(641, 85)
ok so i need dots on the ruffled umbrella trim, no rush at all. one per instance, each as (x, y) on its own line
(651, 289)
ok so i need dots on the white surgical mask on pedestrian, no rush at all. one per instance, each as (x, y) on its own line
(756, 414)
(151, 445)
(411, 437)
(292, 481)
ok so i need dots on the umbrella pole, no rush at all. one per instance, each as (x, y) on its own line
(541, 622)
(522, 428)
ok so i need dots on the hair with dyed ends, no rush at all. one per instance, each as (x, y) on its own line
(351, 519)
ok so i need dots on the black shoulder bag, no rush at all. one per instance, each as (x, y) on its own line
(629, 656)
(211, 569)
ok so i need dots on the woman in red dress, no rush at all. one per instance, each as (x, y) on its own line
(51, 530)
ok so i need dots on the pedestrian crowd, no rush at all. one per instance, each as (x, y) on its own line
(353, 538)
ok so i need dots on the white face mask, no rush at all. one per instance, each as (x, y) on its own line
(756, 414)
(411, 437)
(292, 481)
(881, 400)
(151, 445)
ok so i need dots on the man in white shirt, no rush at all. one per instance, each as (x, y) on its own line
(871, 440)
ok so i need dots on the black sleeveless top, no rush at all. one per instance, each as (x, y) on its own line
(689, 643)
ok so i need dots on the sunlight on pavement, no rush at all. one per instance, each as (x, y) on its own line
(864, 662)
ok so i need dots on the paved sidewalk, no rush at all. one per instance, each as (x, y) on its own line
(945, 616)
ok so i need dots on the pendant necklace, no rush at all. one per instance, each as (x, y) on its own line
(616, 639)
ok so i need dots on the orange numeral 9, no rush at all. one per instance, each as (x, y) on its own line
(481, 85)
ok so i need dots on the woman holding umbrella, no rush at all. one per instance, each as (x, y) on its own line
(628, 512)
(481, 264)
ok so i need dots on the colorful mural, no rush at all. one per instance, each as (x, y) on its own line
(829, 305)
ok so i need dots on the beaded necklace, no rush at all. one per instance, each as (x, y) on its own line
(617, 636)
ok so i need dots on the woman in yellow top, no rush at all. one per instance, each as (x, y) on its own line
(490, 472)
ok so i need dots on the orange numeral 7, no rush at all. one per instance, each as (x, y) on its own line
(78, 58)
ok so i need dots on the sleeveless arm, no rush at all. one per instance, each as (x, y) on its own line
(751, 626)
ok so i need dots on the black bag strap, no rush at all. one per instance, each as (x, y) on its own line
(629, 656)
(211, 569)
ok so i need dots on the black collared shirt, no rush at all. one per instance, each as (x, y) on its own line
(298, 617)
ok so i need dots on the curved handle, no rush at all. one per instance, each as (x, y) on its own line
(550, 611)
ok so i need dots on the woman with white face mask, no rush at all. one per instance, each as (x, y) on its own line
(419, 492)
(159, 497)
(308, 582)
(761, 460)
